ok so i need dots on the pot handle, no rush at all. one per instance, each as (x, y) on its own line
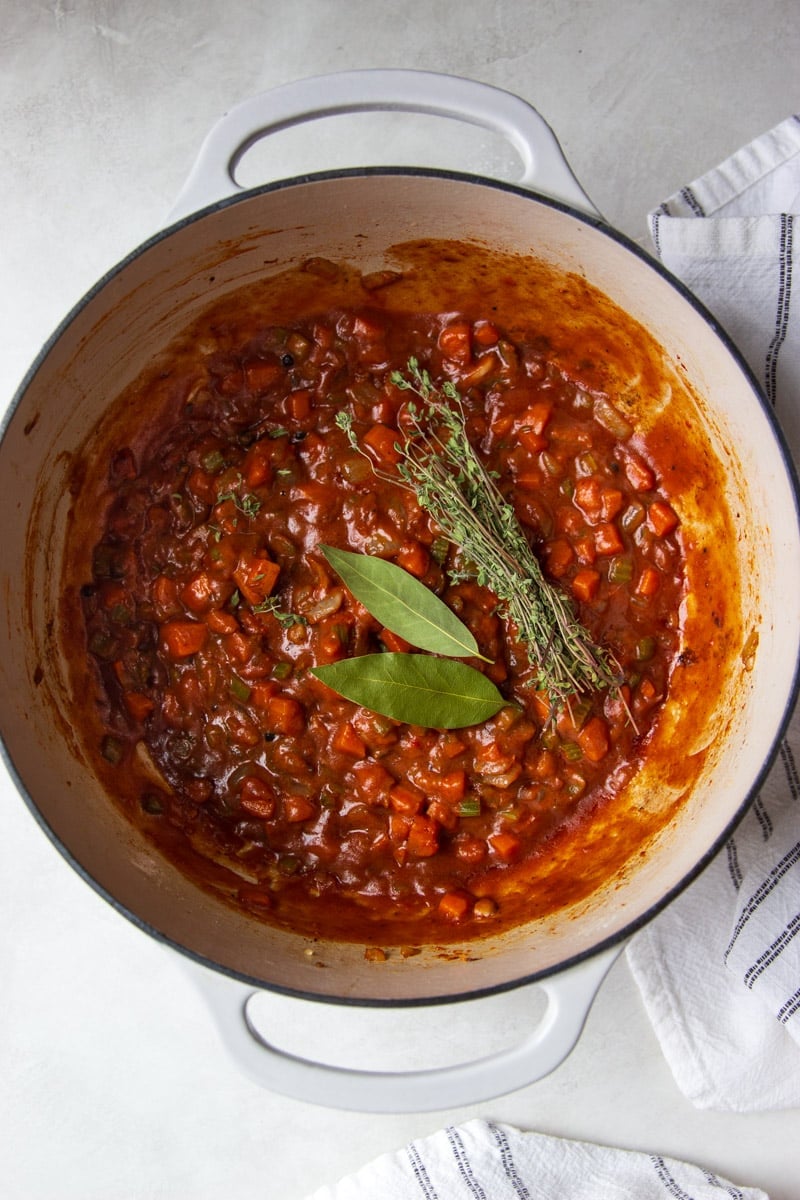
(570, 995)
(212, 177)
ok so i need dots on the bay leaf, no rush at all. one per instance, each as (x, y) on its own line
(402, 604)
(437, 693)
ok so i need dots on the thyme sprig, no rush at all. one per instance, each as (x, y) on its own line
(440, 467)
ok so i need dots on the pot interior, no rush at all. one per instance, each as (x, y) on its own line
(367, 219)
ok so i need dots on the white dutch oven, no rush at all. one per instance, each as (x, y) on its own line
(218, 240)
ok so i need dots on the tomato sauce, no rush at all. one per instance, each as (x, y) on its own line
(209, 601)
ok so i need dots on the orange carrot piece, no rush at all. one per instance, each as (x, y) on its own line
(506, 846)
(380, 439)
(414, 558)
(255, 577)
(405, 799)
(285, 715)
(454, 906)
(138, 705)
(648, 582)
(455, 342)
(585, 584)
(183, 638)
(661, 518)
(423, 837)
(593, 739)
(607, 539)
(298, 808)
(257, 797)
(347, 741)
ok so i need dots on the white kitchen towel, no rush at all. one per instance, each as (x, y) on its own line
(719, 970)
(483, 1161)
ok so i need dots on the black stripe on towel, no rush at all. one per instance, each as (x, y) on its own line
(420, 1174)
(691, 201)
(463, 1164)
(714, 1181)
(753, 973)
(790, 767)
(509, 1166)
(764, 819)
(789, 860)
(670, 1185)
(734, 870)
(782, 310)
(790, 1008)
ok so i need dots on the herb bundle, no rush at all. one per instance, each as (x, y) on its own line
(440, 467)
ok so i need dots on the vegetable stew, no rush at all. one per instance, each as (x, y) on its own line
(210, 601)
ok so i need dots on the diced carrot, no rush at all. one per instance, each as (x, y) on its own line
(593, 739)
(298, 808)
(138, 705)
(533, 442)
(257, 465)
(454, 906)
(406, 799)
(255, 577)
(346, 741)
(373, 781)
(661, 518)
(450, 746)
(648, 582)
(199, 592)
(368, 328)
(470, 849)
(485, 333)
(202, 485)
(257, 797)
(239, 647)
(285, 715)
(585, 584)
(298, 404)
(399, 826)
(113, 595)
(380, 439)
(544, 766)
(165, 596)
(569, 520)
(393, 641)
(506, 846)
(414, 558)
(219, 621)
(183, 638)
(423, 837)
(536, 417)
(444, 813)
(559, 555)
(585, 550)
(541, 706)
(262, 373)
(262, 692)
(455, 342)
(450, 785)
(611, 501)
(588, 496)
(638, 474)
(607, 539)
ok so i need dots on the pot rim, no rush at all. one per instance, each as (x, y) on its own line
(626, 243)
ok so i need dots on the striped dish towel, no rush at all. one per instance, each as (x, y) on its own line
(483, 1161)
(719, 970)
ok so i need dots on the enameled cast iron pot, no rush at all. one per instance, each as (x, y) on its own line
(222, 232)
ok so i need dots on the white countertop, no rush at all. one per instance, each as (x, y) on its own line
(115, 1084)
